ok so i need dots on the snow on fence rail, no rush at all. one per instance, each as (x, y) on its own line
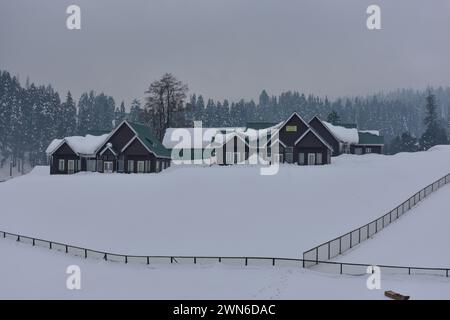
(323, 266)
(339, 245)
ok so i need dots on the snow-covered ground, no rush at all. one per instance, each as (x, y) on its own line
(419, 238)
(215, 210)
(39, 273)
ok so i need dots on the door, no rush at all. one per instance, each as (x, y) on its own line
(311, 159)
(289, 154)
(141, 166)
(107, 166)
(70, 166)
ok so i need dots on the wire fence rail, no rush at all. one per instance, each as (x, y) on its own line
(341, 244)
(322, 266)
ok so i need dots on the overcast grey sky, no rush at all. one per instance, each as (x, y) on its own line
(227, 48)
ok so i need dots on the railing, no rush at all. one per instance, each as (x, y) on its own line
(324, 266)
(339, 245)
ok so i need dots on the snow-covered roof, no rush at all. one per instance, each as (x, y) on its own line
(347, 135)
(80, 145)
(374, 132)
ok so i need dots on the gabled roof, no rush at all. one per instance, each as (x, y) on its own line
(370, 139)
(146, 137)
(343, 134)
(324, 126)
(280, 126)
(316, 134)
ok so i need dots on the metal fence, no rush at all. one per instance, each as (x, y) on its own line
(322, 266)
(339, 245)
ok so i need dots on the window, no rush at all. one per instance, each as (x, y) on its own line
(99, 165)
(157, 165)
(318, 158)
(301, 158)
(291, 128)
(358, 150)
(120, 165)
(147, 165)
(71, 166)
(90, 165)
(237, 157)
(61, 165)
(140, 166)
(229, 158)
(130, 166)
(368, 150)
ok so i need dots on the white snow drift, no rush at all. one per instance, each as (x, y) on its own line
(216, 210)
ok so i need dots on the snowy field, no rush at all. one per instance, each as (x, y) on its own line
(215, 210)
(420, 238)
(37, 273)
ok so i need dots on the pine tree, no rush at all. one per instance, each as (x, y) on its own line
(120, 114)
(69, 116)
(333, 118)
(135, 111)
(434, 133)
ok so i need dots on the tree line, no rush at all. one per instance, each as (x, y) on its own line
(32, 115)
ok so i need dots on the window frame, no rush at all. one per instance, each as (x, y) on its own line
(63, 162)
(292, 128)
(130, 166)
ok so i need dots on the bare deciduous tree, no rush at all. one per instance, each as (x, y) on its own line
(165, 103)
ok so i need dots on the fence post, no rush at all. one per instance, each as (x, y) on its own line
(105, 257)
(50, 245)
(18, 238)
(351, 239)
(341, 268)
(246, 261)
(67, 249)
(126, 259)
(220, 259)
(329, 250)
(34, 242)
(340, 245)
(148, 260)
(85, 253)
(317, 255)
(171, 259)
(273, 262)
(195, 260)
